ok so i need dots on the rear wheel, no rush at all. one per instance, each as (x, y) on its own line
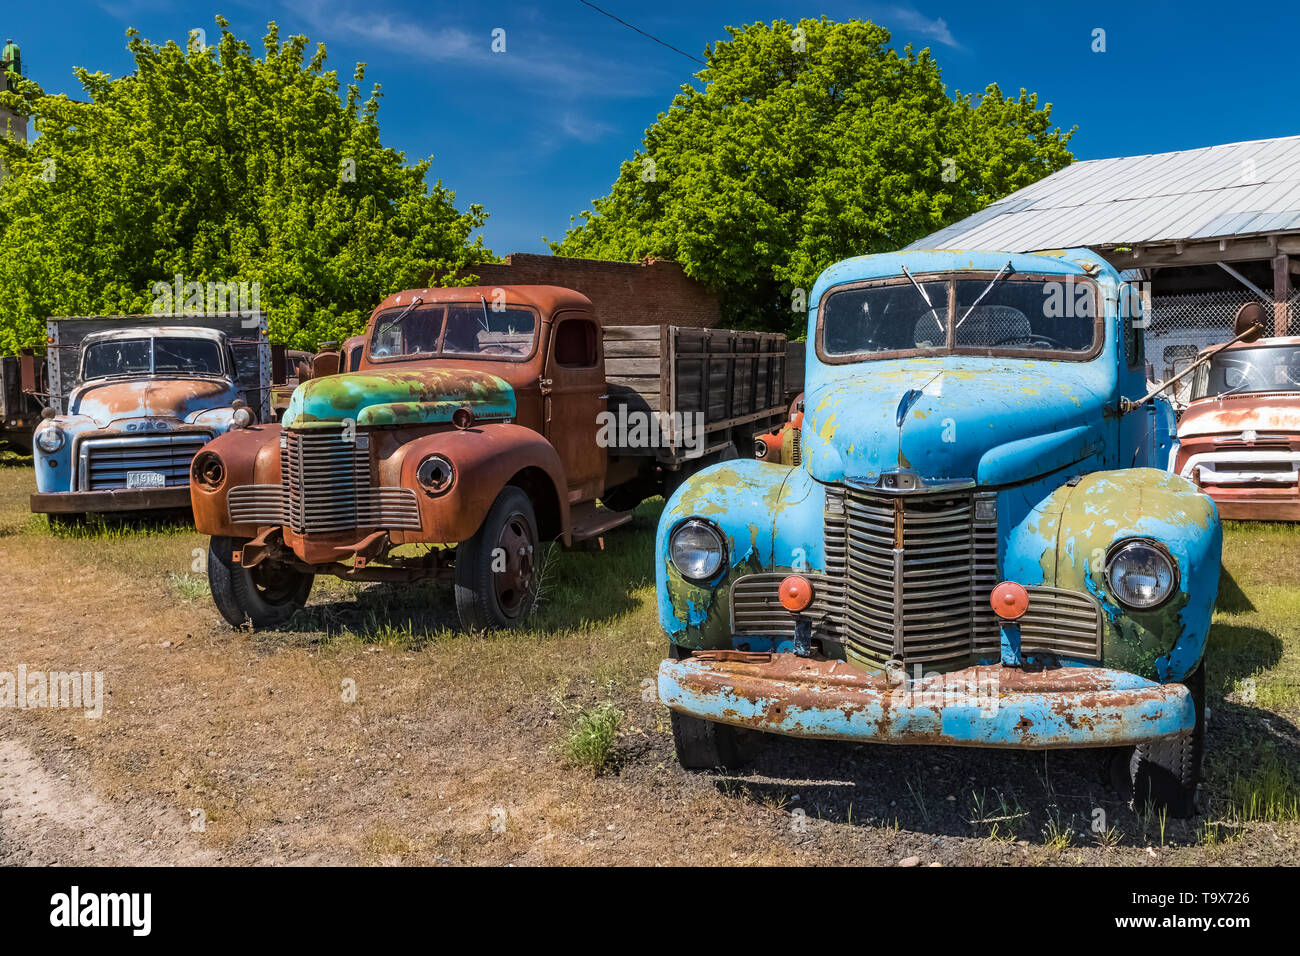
(702, 744)
(1164, 774)
(266, 595)
(496, 571)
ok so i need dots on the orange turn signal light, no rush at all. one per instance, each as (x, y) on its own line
(1009, 600)
(796, 592)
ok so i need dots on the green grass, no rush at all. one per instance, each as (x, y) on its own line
(1268, 793)
(590, 743)
(190, 587)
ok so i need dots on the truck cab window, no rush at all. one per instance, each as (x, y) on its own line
(116, 357)
(575, 344)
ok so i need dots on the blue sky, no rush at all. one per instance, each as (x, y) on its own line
(537, 132)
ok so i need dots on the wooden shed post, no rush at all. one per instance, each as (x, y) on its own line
(1281, 292)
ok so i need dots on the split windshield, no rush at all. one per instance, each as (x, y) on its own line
(1234, 371)
(456, 328)
(144, 356)
(1004, 314)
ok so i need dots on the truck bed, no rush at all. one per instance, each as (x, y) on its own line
(736, 379)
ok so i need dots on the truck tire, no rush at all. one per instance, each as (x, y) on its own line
(1164, 774)
(488, 598)
(266, 595)
(702, 744)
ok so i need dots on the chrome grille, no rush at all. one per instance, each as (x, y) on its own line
(103, 463)
(1061, 622)
(327, 486)
(756, 605)
(917, 571)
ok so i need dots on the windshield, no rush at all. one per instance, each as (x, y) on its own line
(1233, 371)
(992, 315)
(455, 329)
(147, 355)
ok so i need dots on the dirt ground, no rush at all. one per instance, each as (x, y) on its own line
(373, 732)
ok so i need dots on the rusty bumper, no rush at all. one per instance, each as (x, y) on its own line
(117, 499)
(991, 706)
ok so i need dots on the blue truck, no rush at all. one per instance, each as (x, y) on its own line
(981, 545)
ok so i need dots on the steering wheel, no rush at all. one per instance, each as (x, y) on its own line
(1031, 340)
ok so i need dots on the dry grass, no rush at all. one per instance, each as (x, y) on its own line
(447, 751)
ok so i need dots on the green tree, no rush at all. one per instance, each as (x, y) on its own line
(806, 145)
(221, 167)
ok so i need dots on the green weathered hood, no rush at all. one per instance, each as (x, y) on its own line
(398, 398)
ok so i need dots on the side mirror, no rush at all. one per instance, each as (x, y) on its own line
(1249, 322)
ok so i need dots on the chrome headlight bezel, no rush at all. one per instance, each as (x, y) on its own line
(241, 417)
(679, 549)
(47, 432)
(1122, 559)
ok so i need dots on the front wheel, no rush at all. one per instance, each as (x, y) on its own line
(1164, 774)
(266, 595)
(702, 744)
(496, 569)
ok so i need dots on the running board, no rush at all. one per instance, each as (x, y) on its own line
(586, 521)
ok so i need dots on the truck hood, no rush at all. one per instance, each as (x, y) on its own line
(111, 400)
(955, 419)
(412, 397)
(1265, 412)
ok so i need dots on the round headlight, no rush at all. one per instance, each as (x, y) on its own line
(1141, 574)
(50, 439)
(241, 417)
(760, 449)
(697, 550)
(208, 470)
(436, 474)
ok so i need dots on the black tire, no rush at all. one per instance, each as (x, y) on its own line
(1164, 774)
(266, 595)
(702, 744)
(486, 598)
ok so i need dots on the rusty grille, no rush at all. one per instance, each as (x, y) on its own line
(105, 463)
(260, 505)
(756, 606)
(917, 572)
(327, 486)
(1061, 622)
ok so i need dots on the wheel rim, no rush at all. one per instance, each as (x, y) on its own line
(275, 583)
(513, 583)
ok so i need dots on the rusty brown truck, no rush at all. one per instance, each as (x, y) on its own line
(485, 420)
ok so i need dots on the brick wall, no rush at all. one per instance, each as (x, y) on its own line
(653, 292)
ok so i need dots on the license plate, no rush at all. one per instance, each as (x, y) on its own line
(145, 479)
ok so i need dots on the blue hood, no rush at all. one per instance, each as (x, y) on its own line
(955, 418)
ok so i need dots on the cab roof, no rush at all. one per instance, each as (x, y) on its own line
(1065, 262)
(155, 331)
(546, 299)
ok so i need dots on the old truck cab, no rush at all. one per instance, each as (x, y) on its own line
(982, 544)
(1240, 435)
(145, 400)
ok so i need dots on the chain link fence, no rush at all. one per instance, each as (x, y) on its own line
(1179, 326)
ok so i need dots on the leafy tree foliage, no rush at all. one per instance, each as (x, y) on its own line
(808, 144)
(221, 167)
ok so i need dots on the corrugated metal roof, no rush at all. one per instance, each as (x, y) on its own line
(1216, 192)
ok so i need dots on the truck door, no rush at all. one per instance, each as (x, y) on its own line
(573, 392)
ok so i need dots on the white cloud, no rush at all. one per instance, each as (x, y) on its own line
(913, 20)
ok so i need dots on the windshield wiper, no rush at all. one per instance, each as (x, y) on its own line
(918, 288)
(486, 327)
(388, 325)
(1005, 270)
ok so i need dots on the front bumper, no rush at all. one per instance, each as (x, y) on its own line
(116, 499)
(986, 706)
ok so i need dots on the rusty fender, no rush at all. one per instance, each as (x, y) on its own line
(985, 706)
(486, 457)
